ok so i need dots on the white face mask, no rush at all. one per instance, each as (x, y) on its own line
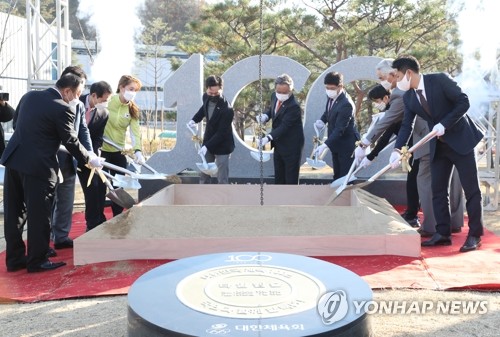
(102, 105)
(282, 97)
(129, 95)
(386, 84)
(332, 93)
(404, 84)
(381, 106)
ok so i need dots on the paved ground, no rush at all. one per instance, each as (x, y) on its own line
(107, 316)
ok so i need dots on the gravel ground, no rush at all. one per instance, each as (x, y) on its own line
(107, 316)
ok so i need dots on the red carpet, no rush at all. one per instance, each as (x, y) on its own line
(442, 268)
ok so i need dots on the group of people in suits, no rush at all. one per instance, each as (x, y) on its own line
(38, 171)
(43, 121)
(58, 135)
(416, 104)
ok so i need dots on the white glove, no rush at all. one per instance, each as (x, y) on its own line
(262, 118)
(263, 142)
(319, 124)
(359, 153)
(191, 124)
(365, 162)
(95, 161)
(139, 158)
(203, 150)
(439, 128)
(395, 159)
(320, 150)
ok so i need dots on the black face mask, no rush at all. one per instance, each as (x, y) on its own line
(213, 99)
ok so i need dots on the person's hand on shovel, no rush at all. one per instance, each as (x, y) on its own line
(203, 150)
(320, 150)
(395, 159)
(139, 158)
(95, 162)
(263, 141)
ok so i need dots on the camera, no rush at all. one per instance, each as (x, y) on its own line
(4, 96)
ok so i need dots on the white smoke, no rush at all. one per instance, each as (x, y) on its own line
(117, 24)
(478, 27)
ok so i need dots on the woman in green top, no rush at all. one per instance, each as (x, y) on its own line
(123, 113)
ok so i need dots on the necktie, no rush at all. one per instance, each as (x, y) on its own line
(330, 103)
(88, 115)
(278, 106)
(423, 102)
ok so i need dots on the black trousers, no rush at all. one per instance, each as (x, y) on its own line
(441, 168)
(342, 162)
(286, 168)
(31, 198)
(117, 159)
(412, 197)
(95, 198)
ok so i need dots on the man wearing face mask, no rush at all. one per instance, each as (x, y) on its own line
(96, 116)
(218, 141)
(342, 132)
(287, 134)
(393, 114)
(442, 104)
(62, 210)
(44, 120)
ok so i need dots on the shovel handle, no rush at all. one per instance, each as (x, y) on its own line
(422, 141)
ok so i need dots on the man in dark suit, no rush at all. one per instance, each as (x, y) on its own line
(287, 134)
(44, 121)
(342, 132)
(96, 116)
(64, 198)
(440, 101)
(218, 141)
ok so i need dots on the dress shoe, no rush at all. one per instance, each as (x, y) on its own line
(456, 230)
(472, 243)
(68, 243)
(51, 253)
(415, 223)
(437, 240)
(424, 234)
(45, 266)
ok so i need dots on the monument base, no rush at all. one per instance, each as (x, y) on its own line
(186, 220)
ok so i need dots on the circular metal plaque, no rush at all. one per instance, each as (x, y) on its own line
(251, 294)
(250, 291)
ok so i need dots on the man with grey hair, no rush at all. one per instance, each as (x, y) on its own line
(287, 134)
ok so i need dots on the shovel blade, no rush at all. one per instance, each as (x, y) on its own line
(120, 197)
(340, 181)
(315, 163)
(256, 156)
(208, 168)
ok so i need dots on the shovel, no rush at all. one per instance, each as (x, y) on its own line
(377, 175)
(174, 179)
(256, 155)
(340, 181)
(118, 195)
(207, 168)
(314, 161)
(120, 180)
